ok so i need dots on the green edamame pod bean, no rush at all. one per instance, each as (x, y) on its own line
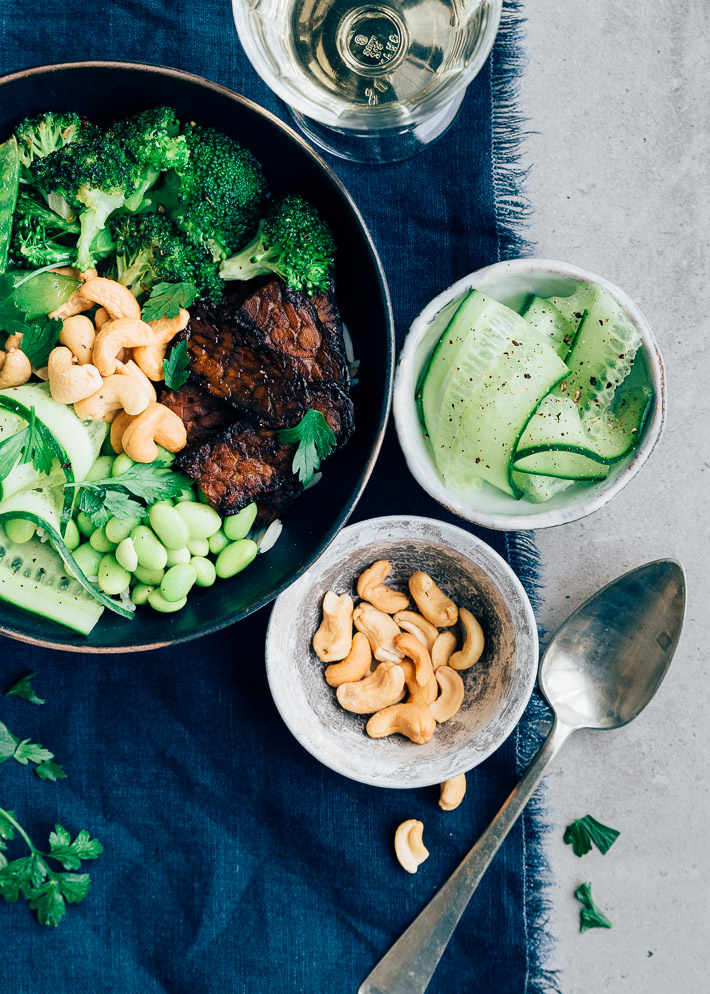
(101, 542)
(87, 559)
(84, 524)
(169, 526)
(151, 577)
(126, 554)
(72, 538)
(101, 469)
(119, 528)
(159, 603)
(151, 554)
(205, 573)
(201, 519)
(20, 530)
(217, 542)
(178, 582)
(165, 456)
(141, 592)
(235, 558)
(113, 578)
(121, 464)
(178, 556)
(238, 525)
(198, 546)
(187, 494)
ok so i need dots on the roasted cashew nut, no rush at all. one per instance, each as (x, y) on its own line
(78, 334)
(118, 427)
(452, 792)
(473, 645)
(412, 648)
(131, 369)
(334, 638)
(451, 698)
(121, 333)
(116, 393)
(101, 317)
(410, 621)
(442, 649)
(150, 357)
(355, 665)
(418, 694)
(15, 368)
(383, 687)
(415, 721)
(116, 298)
(371, 588)
(381, 631)
(433, 603)
(69, 381)
(408, 845)
(67, 271)
(156, 425)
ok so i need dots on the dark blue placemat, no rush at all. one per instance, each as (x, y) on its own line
(235, 862)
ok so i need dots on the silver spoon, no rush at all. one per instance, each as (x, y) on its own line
(600, 670)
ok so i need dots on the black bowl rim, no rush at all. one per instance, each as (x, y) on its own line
(384, 291)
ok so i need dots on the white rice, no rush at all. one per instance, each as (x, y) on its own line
(269, 536)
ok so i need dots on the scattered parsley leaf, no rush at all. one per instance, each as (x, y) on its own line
(101, 505)
(70, 854)
(23, 750)
(585, 831)
(32, 444)
(48, 902)
(8, 743)
(74, 886)
(50, 771)
(590, 916)
(23, 688)
(177, 366)
(38, 340)
(166, 299)
(6, 829)
(114, 496)
(315, 440)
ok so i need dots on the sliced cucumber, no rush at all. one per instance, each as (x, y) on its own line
(554, 443)
(544, 316)
(620, 431)
(540, 489)
(572, 308)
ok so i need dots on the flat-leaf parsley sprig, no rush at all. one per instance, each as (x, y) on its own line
(585, 831)
(315, 439)
(166, 299)
(590, 916)
(176, 368)
(120, 496)
(33, 443)
(24, 689)
(23, 751)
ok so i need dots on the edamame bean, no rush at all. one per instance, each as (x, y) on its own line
(167, 524)
(198, 546)
(217, 542)
(113, 578)
(119, 528)
(72, 538)
(201, 519)
(101, 542)
(20, 530)
(187, 494)
(101, 469)
(178, 556)
(178, 582)
(121, 464)
(235, 557)
(141, 592)
(159, 603)
(238, 525)
(165, 456)
(84, 524)
(126, 554)
(205, 573)
(88, 559)
(151, 554)
(151, 577)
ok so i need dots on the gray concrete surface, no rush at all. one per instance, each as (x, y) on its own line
(618, 96)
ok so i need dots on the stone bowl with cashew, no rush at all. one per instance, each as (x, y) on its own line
(353, 711)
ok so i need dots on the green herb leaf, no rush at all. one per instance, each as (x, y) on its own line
(590, 916)
(74, 886)
(30, 752)
(70, 854)
(315, 440)
(48, 902)
(166, 299)
(585, 831)
(23, 688)
(38, 340)
(50, 771)
(7, 830)
(32, 444)
(8, 743)
(177, 367)
(113, 496)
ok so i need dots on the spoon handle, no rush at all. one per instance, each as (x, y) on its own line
(410, 964)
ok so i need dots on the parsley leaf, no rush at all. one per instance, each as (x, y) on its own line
(48, 902)
(23, 688)
(585, 831)
(101, 505)
(8, 743)
(590, 916)
(23, 751)
(38, 340)
(70, 854)
(33, 444)
(118, 496)
(315, 441)
(166, 299)
(50, 771)
(177, 366)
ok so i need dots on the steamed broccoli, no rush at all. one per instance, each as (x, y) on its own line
(218, 197)
(150, 249)
(38, 137)
(40, 236)
(292, 241)
(152, 139)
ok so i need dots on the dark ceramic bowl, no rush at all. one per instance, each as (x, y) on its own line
(103, 91)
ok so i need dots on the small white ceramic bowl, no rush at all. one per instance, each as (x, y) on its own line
(497, 687)
(510, 282)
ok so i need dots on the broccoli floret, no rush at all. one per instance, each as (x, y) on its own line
(151, 249)
(151, 138)
(292, 241)
(94, 177)
(40, 236)
(38, 137)
(219, 196)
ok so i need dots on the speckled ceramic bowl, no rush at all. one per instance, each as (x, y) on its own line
(497, 688)
(510, 282)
